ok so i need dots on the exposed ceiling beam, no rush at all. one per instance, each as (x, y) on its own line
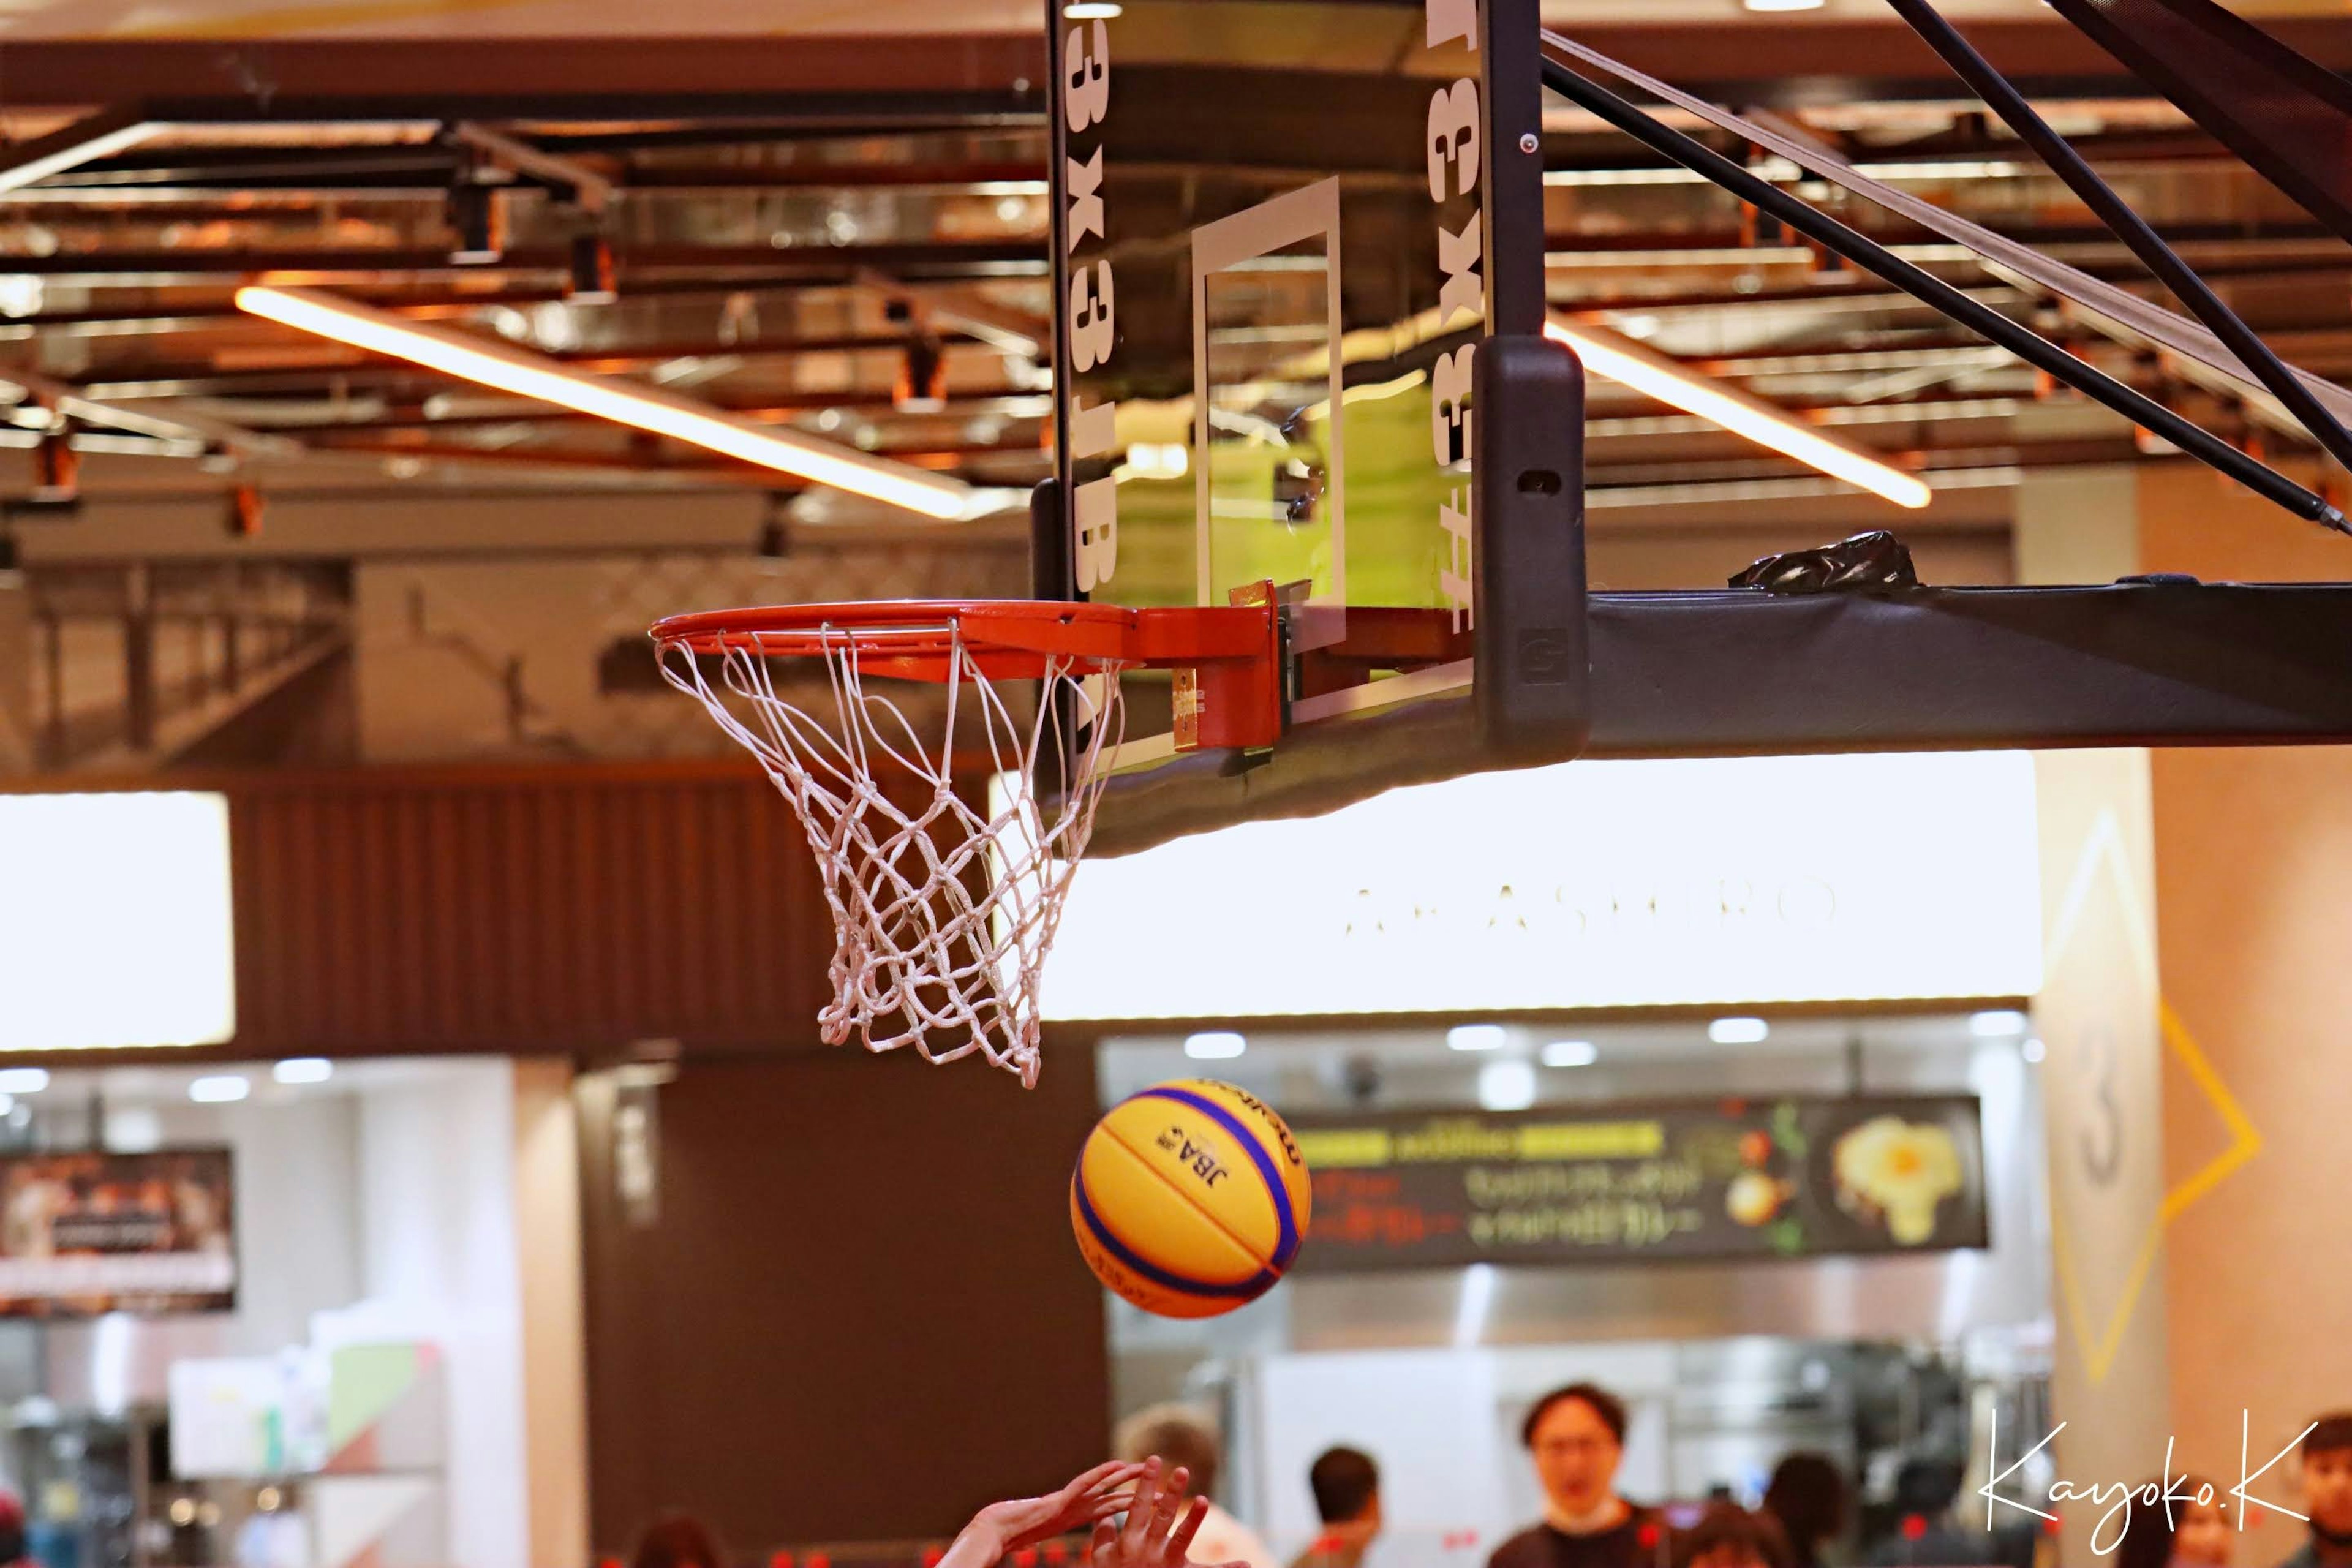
(591, 191)
(2260, 406)
(1898, 234)
(75, 402)
(819, 76)
(962, 310)
(108, 131)
(131, 320)
(214, 373)
(308, 409)
(935, 261)
(171, 188)
(1846, 293)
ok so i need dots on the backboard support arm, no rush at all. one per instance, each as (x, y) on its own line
(1985, 81)
(1929, 290)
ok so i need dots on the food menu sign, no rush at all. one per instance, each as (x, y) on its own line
(82, 1235)
(1776, 1177)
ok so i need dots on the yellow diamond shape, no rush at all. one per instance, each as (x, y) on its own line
(2098, 1347)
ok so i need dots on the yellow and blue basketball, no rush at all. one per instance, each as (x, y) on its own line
(1190, 1198)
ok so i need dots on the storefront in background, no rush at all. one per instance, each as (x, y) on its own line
(270, 1314)
(1709, 1080)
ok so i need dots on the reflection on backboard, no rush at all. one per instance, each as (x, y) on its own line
(1273, 243)
(1270, 489)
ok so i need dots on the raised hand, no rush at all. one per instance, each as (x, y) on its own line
(1006, 1527)
(1160, 1525)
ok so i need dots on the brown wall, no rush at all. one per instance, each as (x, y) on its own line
(517, 909)
(859, 1313)
(2254, 861)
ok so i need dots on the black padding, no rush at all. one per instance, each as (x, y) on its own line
(1731, 671)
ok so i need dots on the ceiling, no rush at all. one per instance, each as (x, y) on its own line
(244, 19)
(784, 223)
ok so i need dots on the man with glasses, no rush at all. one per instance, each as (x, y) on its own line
(1576, 1435)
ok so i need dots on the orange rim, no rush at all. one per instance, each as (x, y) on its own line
(1006, 637)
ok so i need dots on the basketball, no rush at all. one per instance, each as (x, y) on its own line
(1189, 1199)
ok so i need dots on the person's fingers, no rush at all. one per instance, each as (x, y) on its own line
(1180, 1541)
(1104, 1543)
(1139, 1508)
(1171, 1499)
(1101, 1475)
(1118, 1482)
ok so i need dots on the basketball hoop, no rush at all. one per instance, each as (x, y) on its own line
(944, 910)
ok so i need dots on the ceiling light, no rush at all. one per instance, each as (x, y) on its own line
(1998, 1025)
(134, 1129)
(1570, 1053)
(225, 1090)
(532, 375)
(303, 1069)
(1630, 364)
(1216, 1046)
(1092, 10)
(1737, 1031)
(1784, 4)
(2033, 1050)
(24, 1080)
(1507, 1086)
(1474, 1037)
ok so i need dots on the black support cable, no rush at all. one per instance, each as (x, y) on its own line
(2003, 98)
(1929, 290)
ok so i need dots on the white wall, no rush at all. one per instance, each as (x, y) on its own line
(381, 1207)
(438, 1260)
(297, 1245)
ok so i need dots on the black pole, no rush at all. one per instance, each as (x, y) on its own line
(1929, 290)
(1985, 80)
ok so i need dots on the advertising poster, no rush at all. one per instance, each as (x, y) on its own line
(83, 1234)
(1776, 1177)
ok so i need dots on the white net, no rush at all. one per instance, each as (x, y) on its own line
(943, 908)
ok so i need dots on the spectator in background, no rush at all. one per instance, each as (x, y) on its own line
(1807, 1498)
(1347, 1487)
(13, 1553)
(2188, 1534)
(1930, 1536)
(1179, 1435)
(2327, 1493)
(678, 1542)
(1729, 1536)
(1576, 1436)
